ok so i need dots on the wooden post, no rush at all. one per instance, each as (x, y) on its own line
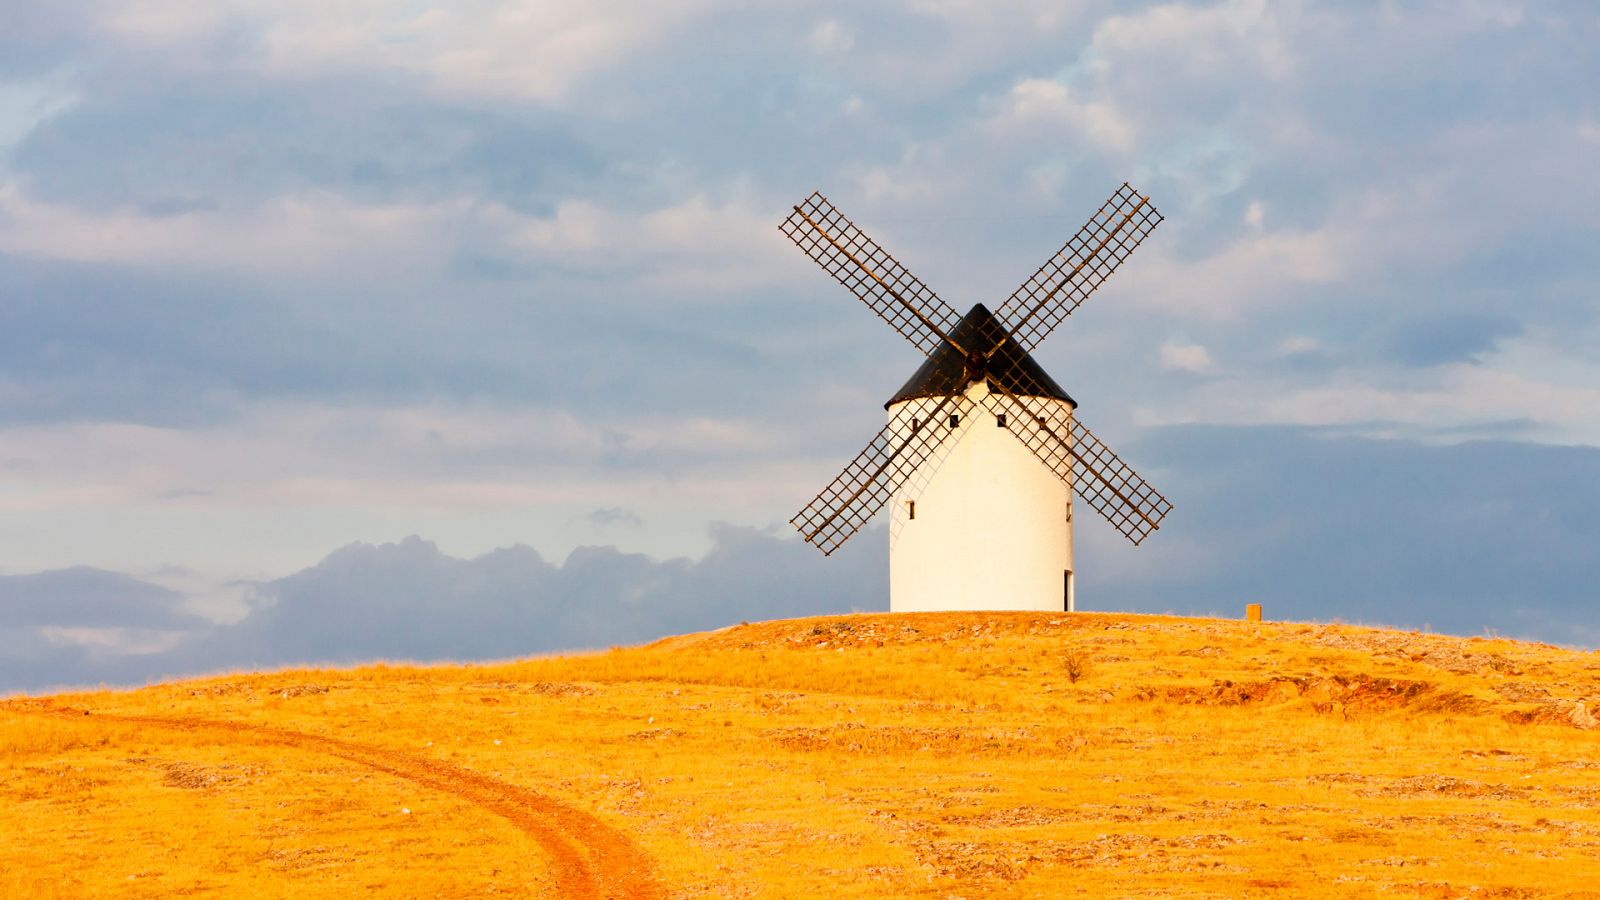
(1252, 612)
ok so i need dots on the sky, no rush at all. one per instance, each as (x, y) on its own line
(350, 329)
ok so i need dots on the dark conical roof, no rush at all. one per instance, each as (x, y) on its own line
(945, 372)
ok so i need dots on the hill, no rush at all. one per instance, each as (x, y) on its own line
(937, 755)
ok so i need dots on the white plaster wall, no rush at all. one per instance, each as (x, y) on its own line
(993, 525)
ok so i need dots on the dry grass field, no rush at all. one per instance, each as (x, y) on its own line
(936, 755)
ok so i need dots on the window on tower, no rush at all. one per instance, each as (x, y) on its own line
(955, 419)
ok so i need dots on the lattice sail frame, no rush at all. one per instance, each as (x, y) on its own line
(1079, 267)
(867, 482)
(1051, 430)
(1048, 428)
(868, 271)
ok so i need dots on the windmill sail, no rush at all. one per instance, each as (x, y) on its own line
(1111, 487)
(1079, 267)
(869, 480)
(979, 346)
(857, 262)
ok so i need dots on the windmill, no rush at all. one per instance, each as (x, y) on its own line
(976, 521)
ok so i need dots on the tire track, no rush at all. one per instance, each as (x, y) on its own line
(590, 860)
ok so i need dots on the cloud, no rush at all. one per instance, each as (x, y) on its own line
(690, 248)
(1193, 358)
(39, 36)
(279, 276)
(87, 598)
(1297, 345)
(123, 642)
(321, 450)
(1448, 339)
(86, 625)
(24, 104)
(1042, 109)
(512, 602)
(1462, 538)
(275, 484)
(1456, 399)
(162, 22)
(200, 145)
(831, 36)
(1260, 268)
(614, 515)
(1207, 42)
(409, 600)
(285, 235)
(537, 52)
(693, 246)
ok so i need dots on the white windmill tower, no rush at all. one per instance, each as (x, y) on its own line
(977, 522)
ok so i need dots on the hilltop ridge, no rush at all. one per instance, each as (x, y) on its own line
(933, 754)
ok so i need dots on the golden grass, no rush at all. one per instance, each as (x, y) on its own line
(930, 755)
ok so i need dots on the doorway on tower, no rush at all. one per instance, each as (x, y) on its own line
(1067, 601)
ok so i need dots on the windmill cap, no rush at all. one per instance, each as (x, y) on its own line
(944, 374)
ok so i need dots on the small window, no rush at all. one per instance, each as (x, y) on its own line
(1000, 420)
(911, 509)
(955, 419)
(916, 425)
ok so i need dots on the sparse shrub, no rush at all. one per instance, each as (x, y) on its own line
(1076, 664)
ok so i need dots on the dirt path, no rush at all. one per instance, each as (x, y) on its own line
(589, 859)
